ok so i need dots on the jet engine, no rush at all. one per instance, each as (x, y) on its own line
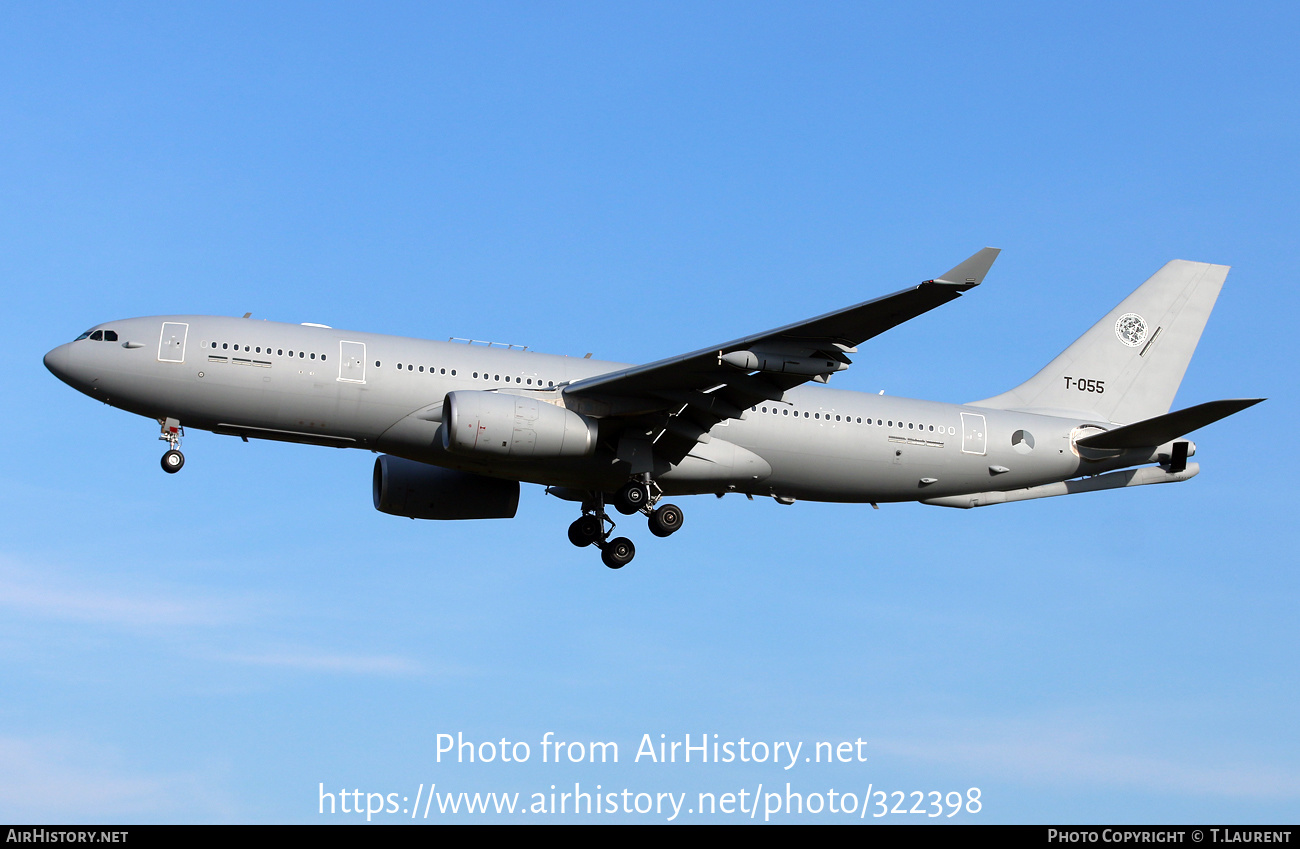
(499, 425)
(420, 491)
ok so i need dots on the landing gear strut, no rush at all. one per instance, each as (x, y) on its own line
(666, 520)
(173, 460)
(594, 526)
(617, 553)
(590, 529)
(586, 530)
(634, 496)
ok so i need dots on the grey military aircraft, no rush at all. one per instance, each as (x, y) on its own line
(460, 425)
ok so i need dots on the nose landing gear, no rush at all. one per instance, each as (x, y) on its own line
(173, 460)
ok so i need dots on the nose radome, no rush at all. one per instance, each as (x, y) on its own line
(57, 362)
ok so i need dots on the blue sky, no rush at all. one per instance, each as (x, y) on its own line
(640, 180)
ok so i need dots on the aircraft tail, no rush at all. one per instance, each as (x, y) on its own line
(1128, 366)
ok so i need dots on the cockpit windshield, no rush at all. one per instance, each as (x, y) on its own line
(98, 336)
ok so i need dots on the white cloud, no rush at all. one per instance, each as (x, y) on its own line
(56, 780)
(53, 595)
(1073, 751)
(322, 662)
(179, 623)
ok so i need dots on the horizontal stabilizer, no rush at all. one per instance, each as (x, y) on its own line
(1161, 429)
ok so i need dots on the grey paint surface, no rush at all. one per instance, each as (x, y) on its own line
(344, 388)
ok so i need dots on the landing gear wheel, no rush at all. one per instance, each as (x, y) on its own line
(631, 498)
(585, 531)
(666, 520)
(172, 461)
(618, 552)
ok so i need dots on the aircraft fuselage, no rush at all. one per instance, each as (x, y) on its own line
(319, 385)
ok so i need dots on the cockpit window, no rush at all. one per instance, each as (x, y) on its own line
(98, 336)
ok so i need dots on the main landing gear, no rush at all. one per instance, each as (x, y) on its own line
(635, 496)
(173, 460)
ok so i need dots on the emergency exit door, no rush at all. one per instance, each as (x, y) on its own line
(352, 362)
(171, 346)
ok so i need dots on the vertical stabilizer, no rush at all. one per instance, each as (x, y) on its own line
(1129, 365)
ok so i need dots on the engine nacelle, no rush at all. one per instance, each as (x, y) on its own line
(420, 491)
(499, 425)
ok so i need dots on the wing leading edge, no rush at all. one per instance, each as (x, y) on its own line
(674, 402)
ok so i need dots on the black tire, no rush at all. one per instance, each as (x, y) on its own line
(618, 552)
(172, 461)
(631, 498)
(666, 521)
(585, 531)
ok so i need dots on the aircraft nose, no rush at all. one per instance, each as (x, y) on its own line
(57, 362)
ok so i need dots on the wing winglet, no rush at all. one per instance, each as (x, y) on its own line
(970, 273)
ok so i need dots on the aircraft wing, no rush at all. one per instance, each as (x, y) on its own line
(674, 402)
